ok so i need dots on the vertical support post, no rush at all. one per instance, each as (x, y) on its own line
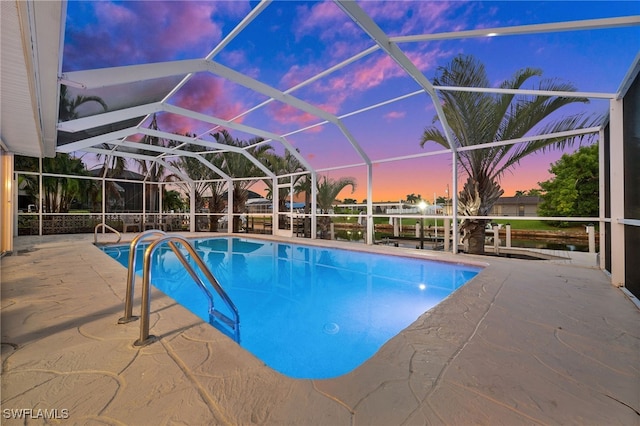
(447, 234)
(143, 221)
(192, 207)
(160, 206)
(40, 196)
(103, 204)
(496, 239)
(370, 230)
(602, 195)
(314, 205)
(230, 190)
(617, 192)
(7, 207)
(591, 232)
(508, 226)
(454, 200)
(275, 199)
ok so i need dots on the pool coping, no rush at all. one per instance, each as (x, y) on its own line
(514, 345)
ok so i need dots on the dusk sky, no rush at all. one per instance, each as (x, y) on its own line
(292, 41)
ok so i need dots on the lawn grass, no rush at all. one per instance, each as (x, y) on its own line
(537, 225)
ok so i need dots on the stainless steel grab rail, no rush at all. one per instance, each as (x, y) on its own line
(131, 274)
(232, 323)
(104, 225)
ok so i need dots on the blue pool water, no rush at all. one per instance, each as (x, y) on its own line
(308, 312)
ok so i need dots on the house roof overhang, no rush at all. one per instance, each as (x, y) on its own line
(31, 49)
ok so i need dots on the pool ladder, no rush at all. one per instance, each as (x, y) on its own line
(104, 225)
(227, 325)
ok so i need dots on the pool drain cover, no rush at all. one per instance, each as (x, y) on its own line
(331, 328)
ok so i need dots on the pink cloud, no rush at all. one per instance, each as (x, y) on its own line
(136, 32)
(235, 57)
(325, 17)
(204, 94)
(416, 17)
(394, 115)
(297, 74)
(287, 114)
(117, 13)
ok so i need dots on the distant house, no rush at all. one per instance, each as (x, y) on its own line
(124, 195)
(516, 206)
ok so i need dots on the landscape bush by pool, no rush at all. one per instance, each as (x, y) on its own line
(309, 312)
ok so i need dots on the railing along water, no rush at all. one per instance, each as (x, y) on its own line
(232, 323)
(104, 225)
(131, 273)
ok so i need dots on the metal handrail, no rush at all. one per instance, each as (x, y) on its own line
(131, 273)
(233, 323)
(104, 225)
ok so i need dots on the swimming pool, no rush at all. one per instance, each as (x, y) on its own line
(305, 311)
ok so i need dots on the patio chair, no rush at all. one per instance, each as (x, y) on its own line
(130, 222)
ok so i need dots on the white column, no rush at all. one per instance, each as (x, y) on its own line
(369, 237)
(314, 205)
(454, 201)
(602, 195)
(616, 170)
(591, 231)
(7, 207)
(447, 234)
(230, 190)
(275, 200)
(192, 207)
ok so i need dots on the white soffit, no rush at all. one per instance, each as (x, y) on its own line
(30, 33)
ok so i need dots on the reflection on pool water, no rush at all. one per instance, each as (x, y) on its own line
(309, 312)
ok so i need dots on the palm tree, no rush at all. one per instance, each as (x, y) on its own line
(204, 181)
(172, 200)
(413, 198)
(281, 165)
(238, 165)
(328, 190)
(476, 118)
(59, 192)
(152, 169)
(68, 108)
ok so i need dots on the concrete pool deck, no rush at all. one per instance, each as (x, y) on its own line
(525, 342)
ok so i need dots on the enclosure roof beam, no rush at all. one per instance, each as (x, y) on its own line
(105, 77)
(528, 92)
(355, 12)
(257, 86)
(110, 137)
(110, 117)
(587, 24)
(238, 126)
(238, 28)
(120, 115)
(181, 138)
(313, 79)
(172, 151)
